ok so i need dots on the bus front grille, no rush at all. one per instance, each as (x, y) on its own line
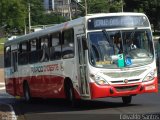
(126, 88)
(122, 81)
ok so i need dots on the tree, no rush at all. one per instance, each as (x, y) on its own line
(39, 15)
(103, 6)
(150, 7)
(12, 16)
(36, 10)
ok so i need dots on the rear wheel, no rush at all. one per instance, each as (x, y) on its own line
(27, 96)
(127, 99)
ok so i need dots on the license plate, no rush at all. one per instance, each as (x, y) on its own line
(151, 87)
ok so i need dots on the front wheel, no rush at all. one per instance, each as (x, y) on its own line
(127, 99)
(27, 96)
(70, 93)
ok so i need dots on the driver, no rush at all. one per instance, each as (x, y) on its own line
(117, 44)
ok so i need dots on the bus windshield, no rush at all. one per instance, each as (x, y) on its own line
(135, 45)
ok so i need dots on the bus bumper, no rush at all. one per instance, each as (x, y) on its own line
(99, 91)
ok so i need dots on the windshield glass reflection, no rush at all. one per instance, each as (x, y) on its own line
(116, 49)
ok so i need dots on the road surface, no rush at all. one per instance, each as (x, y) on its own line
(100, 109)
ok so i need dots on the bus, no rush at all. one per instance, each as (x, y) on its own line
(80, 59)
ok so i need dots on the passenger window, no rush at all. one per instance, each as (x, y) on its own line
(44, 52)
(68, 44)
(33, 45)
(23, 53)
(33, 55)
(55, 50)
(7, 56)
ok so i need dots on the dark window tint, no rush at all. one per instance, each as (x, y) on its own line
(55, 49)
(44, 50)
(68, 44)
(33, 54)
(7, 56)
(23, 53)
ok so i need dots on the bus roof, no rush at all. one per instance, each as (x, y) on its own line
(114, 14)
(65, 25)
(49, 30)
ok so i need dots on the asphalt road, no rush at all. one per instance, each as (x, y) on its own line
(100, 109)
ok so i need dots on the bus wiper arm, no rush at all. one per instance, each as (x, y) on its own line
(132, 34)
(107, 37)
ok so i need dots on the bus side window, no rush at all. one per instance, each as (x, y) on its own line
(7, 56)
(33, 56)
(44, 51)
(68, 44)
(23, 53)
(55, 46)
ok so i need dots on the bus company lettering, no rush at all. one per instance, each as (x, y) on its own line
(45, 68)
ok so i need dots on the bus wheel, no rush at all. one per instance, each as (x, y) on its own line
(127, 99)
(27, 95)
(70, 93)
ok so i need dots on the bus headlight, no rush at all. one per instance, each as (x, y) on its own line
(98, 79)
(149, 77)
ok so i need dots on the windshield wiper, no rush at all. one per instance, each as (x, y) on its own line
(107, 37)
(132, 34)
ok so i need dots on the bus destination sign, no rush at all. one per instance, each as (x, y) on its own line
(117, 22)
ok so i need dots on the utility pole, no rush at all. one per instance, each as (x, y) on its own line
(25, 27)
(86, 7)
(29, 17)
(122, 5)
(83, 6)
(69, 9)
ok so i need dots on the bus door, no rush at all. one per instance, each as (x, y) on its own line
(82, 66)
(14, 64)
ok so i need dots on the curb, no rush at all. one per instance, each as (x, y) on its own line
(7, 112)
(2, 83)
(2, 86)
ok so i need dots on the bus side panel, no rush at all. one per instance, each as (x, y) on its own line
(46, 86)
(10, 86)
(19, 87)
(55, 87)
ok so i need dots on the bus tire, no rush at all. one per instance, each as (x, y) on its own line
(27, 95)
(69, 91)
(127, 99)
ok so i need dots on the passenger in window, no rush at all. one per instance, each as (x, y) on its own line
(8, 57)
(68, 51)
(45, 56)
(132, 46)
(117, 44)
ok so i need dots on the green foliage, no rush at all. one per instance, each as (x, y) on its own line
(12, 15)
(2, 40)
(150, 7)
(103, 6)
(97, 6)
(51, 18)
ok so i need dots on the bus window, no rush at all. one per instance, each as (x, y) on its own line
(68, 44)
(23, 53)
(44, 52)
(55, 49)
(7, 56)
(33, 56)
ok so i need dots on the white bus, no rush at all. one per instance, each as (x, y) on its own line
(96, 56)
